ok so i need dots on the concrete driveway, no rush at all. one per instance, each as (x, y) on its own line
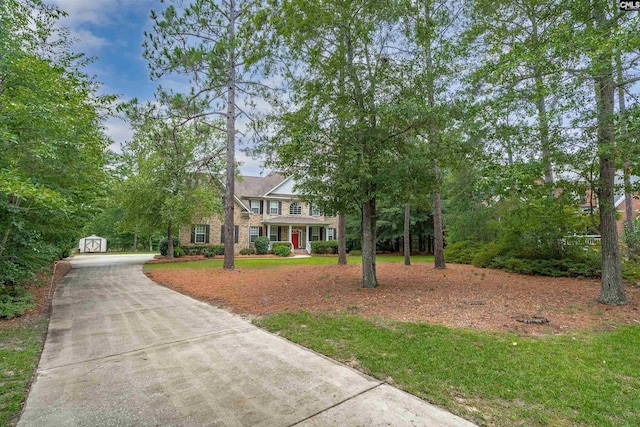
(123, 351)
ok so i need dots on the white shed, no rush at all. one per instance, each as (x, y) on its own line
(93, 244)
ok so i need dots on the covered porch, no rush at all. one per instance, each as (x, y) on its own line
(300, 232)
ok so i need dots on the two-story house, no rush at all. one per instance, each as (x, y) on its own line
(266, 206)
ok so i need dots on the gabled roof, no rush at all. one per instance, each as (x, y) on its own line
(257, 186)
(279, 186)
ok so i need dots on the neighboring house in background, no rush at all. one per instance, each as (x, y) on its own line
(590, 201)
(265, 206)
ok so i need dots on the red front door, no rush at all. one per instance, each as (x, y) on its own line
(294, 240)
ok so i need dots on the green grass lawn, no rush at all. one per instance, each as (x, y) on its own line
(497, 379)
(279, 262)
(20, 347)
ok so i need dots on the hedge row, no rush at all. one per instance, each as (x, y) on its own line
(324, 247)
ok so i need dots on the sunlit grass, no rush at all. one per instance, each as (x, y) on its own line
(20, 347)
(496, 379)
(279, 262)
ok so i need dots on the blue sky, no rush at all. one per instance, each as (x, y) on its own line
(112, 31)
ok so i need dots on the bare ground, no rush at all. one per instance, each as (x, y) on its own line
(461, 296)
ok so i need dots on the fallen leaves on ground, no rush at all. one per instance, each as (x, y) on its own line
(460, 296)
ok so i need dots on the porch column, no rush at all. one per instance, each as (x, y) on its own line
(290, 233)
(307, 237)
(326, 233)
(269, 232)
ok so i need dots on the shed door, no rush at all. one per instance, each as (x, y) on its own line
(92, 245)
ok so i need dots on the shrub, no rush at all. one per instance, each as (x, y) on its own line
(203, 249)
(588, 265)
(164, 245)
(485, 256)
(282, 250)
(462, 252)
(631, 271)
(14, 301)
(209, 254)
(262, 245)
(247, 251)
(356, 252)
(178, 252)
(324, 247)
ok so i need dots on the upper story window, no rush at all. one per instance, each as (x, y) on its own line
(255, 206)
(274, 208)
(315, 211)
(295, 209)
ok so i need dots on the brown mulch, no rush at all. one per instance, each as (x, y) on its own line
(460, 296)
(40, 288)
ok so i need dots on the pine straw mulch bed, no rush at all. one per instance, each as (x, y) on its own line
(461, 296)
(42, 289)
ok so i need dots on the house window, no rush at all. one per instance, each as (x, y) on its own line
(273, 234)
(295, 209)
(274, 208)
(254, 233)
(315, 211)
(315, 234)
(331, 233)
(200, 231)
(255, 206)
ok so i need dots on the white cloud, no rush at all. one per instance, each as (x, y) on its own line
(119, 131)
(83, 11)
(87, 41)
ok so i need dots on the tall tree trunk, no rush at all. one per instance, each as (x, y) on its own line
(438, 243)
(229, 205)
(541, 106)
(438, 231)
(612, 290)
(342, 239)
(135, 241)
(407, 237)
(150, 245)
(369, 279)
(170, 240)
(628, 196)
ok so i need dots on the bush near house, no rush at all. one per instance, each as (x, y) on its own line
(324, 247)
(247, 251)
(281, 248)
(262, 245)
(203, 249)
(164, 245)
(178, 252)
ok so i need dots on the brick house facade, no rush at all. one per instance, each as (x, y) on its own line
(265, 206)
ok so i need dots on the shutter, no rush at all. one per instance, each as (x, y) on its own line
(261, 206)
(222, 233)
(260, 232)
(206, 236)
(335, 234)
(193, 234)
(279, 208)
(279, 234)
(321, 232)
(236, 232)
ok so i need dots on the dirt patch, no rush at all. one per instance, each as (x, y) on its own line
(41, 289)
(460, 296)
